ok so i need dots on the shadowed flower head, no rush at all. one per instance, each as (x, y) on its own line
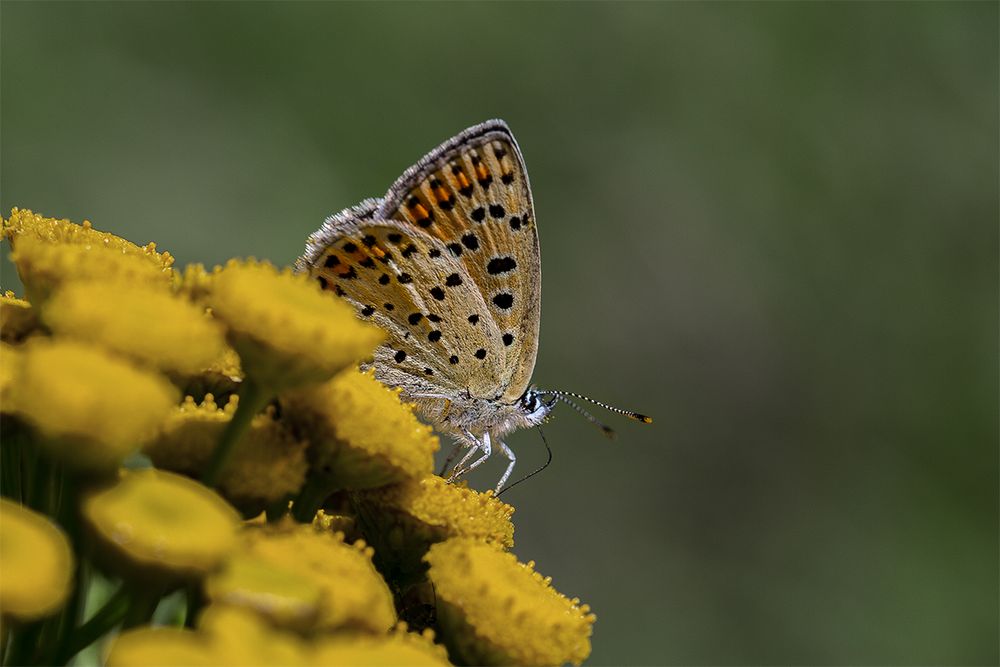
(494, 610)
(285, 329)
(398, 648)
(161, 647)
(269, 462)
(149, 325)
(156, 524)
(240, 637)
(17, 318)
(48, 252)
(35, 561)
(352, 594)
(93, 409)
(362, 435)
(403, 520)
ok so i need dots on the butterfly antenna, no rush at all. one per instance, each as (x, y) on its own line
(608, 431)
(561, 395)
(534, 472)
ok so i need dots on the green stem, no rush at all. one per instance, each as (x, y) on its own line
(141, 610)
(102, 622)
(316, 490)
(252, 399)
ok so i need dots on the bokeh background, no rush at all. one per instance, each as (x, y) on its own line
(771, 226)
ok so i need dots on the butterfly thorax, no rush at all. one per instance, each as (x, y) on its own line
(468, 414)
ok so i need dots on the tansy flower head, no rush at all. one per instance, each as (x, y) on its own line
(353, 595)
(93, 409)
(268, 464)
(285, 597)
(35, 561)
(48, 252)
(10, 359)
(398, 648)
(285, 329)
(240, 637)
(161, 647)
(17, 318)
(154, 524)
(403, 520)
(362, 435)
(493, 610)
(151, 326)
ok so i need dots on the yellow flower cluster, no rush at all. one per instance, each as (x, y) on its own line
(148, 413)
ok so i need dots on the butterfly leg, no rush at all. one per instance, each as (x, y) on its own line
(509, 453)
(459, 446)
(485, 446)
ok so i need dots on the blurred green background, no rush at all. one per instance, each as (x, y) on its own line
(771, 226)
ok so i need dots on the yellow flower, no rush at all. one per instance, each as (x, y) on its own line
(403, 520)
(148, 325)
(399, 648)
(240, 638)
(36, 564)
(268, 464)
(196, 282)
(493, 610)
(285, 329)
(160, 647)
(352, 594)
(92, 408)
(48, 252)
(10, 360)
(17, 318)
(285, 597)
(362, 435)
(154, 524)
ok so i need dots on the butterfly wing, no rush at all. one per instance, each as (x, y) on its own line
(453, 249)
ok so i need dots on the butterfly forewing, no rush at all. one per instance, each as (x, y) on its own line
(448, 264)
(472, 193)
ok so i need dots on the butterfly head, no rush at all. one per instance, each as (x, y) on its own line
(535, 406)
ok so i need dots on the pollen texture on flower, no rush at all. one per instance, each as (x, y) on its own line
(49, 252)
(17, 318)
(352, 594)
(496, 611)
(361, 433)
(285, 329)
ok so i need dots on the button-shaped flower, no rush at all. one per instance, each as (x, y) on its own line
(49, 252)
(361, 434)
(268, 464)
(493, 610)
(156, 526)
(91, 408)
(149, 325)
(35, 561)
(285, 329)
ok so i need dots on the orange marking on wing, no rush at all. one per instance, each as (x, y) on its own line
(378, 252)
(463, 182)
(481, 171)
(440, 194)
(421, 212)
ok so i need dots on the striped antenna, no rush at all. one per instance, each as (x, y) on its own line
(561, 395)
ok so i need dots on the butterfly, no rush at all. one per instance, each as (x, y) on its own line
(447, 262)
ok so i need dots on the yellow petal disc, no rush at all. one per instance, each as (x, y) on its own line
(285, 329)
(93, 408)
(156, 522)
(36, 564)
